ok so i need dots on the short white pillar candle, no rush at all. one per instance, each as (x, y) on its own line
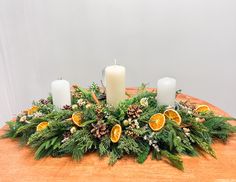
(115, 84)
(60, 90)
(166, 91)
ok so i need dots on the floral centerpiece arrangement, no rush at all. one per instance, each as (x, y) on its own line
(138, 126)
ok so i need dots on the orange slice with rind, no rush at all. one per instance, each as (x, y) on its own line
(32, 110)
(173, 115)
(202, 109)
(157, 121)
(77, 118)
(116, 133)
(41, 126)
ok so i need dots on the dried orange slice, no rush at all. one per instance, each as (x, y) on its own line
(41, 126)
(77, 118)
(32, 110)
(202, 108)
(157, 121)
(115, 133)
(173, 115)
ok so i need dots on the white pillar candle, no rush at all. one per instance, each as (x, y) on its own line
(115, 84)
(166, 91)
(61, 93)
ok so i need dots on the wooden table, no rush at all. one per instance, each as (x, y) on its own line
(18, 164)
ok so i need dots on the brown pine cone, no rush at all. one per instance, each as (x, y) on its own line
(134, 111)
(67, 107)
(188, 104)
(99, 129)
(44, 101)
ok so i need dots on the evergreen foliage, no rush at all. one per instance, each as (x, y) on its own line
(63, 137)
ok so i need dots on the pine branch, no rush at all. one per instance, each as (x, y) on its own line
(175, 160)
(12, 128)
(46, 109)
(94, 88)
(129, 146)
(58, 115)
(115, 154)
(145, 116)
(90, 114)
(203, 145)
(111, 120)
(28, 127)
(201, 131)
(173, 139)
(219, 128)
(54, 129)
(85, 94)
(139, 131)
(156, 155)
(145, 149)
(47, 148)
(78, 144)
(104, 146)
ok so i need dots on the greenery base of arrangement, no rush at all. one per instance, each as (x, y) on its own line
(61, 136)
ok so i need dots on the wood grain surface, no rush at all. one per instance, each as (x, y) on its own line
(18, 164)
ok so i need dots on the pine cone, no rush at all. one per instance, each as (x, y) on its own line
(134, 111)
(67, 107)
(44, 101)
(99, 112)
(99, 129)
(188, 104)
(66, 136)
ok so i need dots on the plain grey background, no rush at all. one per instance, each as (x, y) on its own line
(192, 41)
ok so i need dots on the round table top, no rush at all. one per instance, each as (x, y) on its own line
(18, 164)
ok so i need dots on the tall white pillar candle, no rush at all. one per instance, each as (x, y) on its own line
(166, 91)
(115, 84)
(61, 93)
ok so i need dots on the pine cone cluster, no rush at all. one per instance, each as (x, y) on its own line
(99, 129)
(134, 111)
(133, 124)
